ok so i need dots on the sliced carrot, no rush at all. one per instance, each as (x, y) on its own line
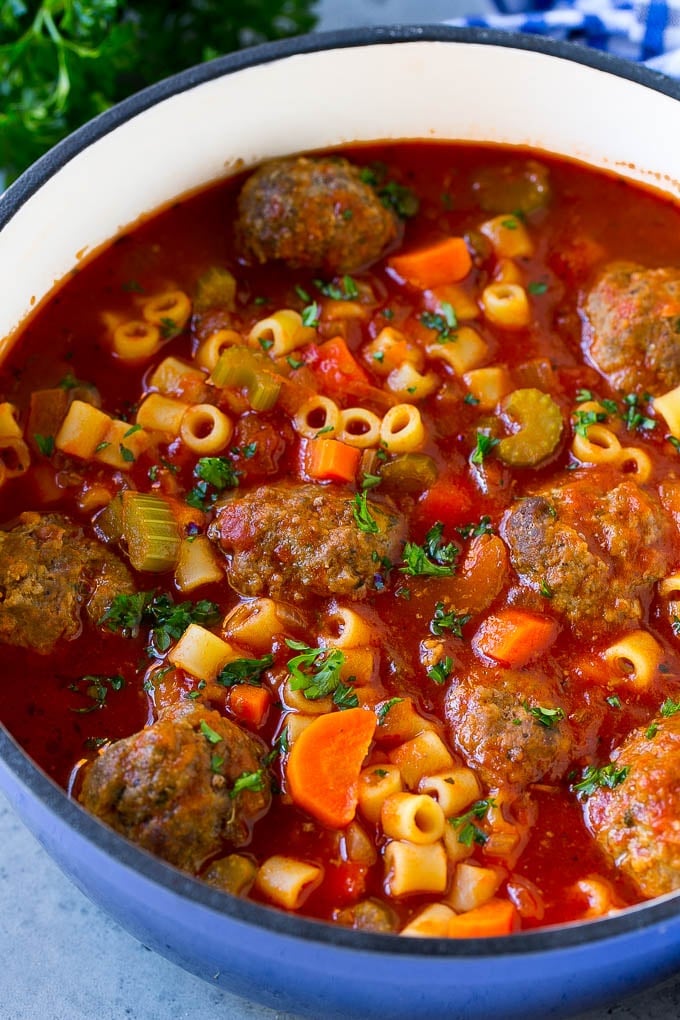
(325, 762)
(330, 461)
(497, 917)
(335, 365)
(446, 261)
(514, 636)
(250, 704)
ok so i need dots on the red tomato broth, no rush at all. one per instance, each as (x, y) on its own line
(591, 219)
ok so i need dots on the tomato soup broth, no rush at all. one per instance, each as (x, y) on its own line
(345, 576)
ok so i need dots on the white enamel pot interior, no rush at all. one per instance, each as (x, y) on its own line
(318, 92)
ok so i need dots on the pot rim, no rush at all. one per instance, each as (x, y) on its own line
(52, 796)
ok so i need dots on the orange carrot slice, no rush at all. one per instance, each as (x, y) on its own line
(497, 917)
(514, 636)
(325, 762)
(446, 261)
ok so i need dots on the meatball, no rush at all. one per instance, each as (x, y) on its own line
(493, 726)
(637, 822)
(49, 569)
(296, 541)
(634, 335)
(170, 787)
(594, 545)
(313, 213)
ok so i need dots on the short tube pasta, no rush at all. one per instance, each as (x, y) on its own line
(509, 236)
(415, 817)
(161, 414)
(410, 384)
(208, 354)
(424, 755)
(598, 446)
(169, 310)
(668, 405)
(317, 414)
(135, 340)
(287, 882)
(634, 659)
(376, 784)
(454, 790)
(432, 922)
(172, 375)
(254, 624)
(489, 385)
(402, 429)
(205, 429)
(411, 869)
(464, 351)
(635, 461)
(348, 629)
(281, 333)
(506, 305)
(359, 427)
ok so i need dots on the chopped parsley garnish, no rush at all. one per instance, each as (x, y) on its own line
(45, 444)
(215, 474)
(669, 708)
(510, 223)
(443, 323)
(370, 481)
(97, 689)
(545, 589)
(311, 314)
(101, 446)
(302, 294)
(442, 671)
(344, 696)
(265, 342)
(169, 328)
(432, 559)
(594, 777)
(131, 431)
(471, 399)
(324, 431)
(452, 622)
(168, 620)
(403, 200)
(347, 291)
(468, 832)
(279, 747)
(69, 382)
(614, 701)
(248, 781)
(294, 362)
(584, 419)
(652, 731)
(584, 395)
(485, 445)
(210, 735)
(362, 514)
(482, 527)
(633, 417)
(127, 454)
(537, 287)
(547, 717)
(385, 708)
(674, 442)
(244, 671)
(315, 671)
(216, 763)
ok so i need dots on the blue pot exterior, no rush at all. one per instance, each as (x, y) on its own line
(298, 966)
(290, 963)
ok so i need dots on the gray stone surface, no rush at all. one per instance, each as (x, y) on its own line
(61, 958)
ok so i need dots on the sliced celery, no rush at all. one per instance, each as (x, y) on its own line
(151, 532)
(241, 368)
(109, 522)
(410, 472)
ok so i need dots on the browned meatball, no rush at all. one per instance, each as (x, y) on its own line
(637, 822)
(594, 545)
(295, 541)
(634, 336)
(49, 569)
(313, 213)
(170, 787)
(492, 724)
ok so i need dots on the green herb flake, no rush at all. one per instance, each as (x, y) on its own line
(468, 832)
(45, 444)
(548, 717)
(545, 589)
(443, 326)
(265, 343)
(311, 314)
(362, 514)
(315, 671)
(584, 419)
(294, 362)
(216, 763)
(669, 708)
(210, 735)
(442, 671)
(169, 328)
(485, 445)
(614, 701)
(302, 294)
(384, 709)
(450, 622)
(248, 781)
(471, 399)
(537, 287)
(344, 696)
(652, 731)
(244, 671)
(127, 455)
(605, 776)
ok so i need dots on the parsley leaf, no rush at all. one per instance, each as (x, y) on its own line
(385, 708)
(432, 559)
(168, 620)
(669, 708)
(215, 474)
(608, 776)
(547, 717)
(248, 781)
(244, 671)
(45, 444)
(442, 671)
(315, 671)
(362, 514)
(485, 445)
(452, 622)
(468, 832)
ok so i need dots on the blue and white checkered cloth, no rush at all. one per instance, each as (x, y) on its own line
(642, 30)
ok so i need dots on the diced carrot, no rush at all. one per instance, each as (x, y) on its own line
(331, 461)
(325, 762)
(449, 500)
(445, 261)
(497, 917)
(514, 636)
(250, 704)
